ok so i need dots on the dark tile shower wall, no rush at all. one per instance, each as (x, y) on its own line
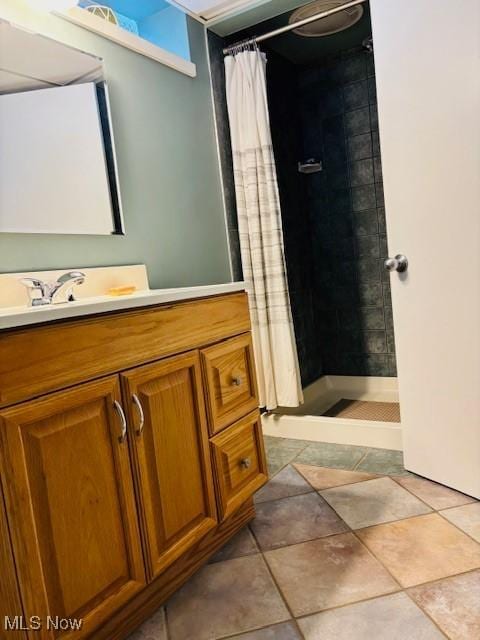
(334, 221)
(345, 205)
(287, 143)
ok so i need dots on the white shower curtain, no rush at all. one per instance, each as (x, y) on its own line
(260, 229)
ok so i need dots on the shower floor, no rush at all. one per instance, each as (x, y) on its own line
(365, 410)
(356, 410)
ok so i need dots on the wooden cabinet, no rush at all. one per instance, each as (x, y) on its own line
(172, 456)
(231, 382)
(240, 462)
(10, 603)
(71, 506)
(116, 489)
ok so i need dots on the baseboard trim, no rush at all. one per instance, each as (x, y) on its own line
(307, 423)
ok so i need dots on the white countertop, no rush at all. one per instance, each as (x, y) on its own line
(11, 317)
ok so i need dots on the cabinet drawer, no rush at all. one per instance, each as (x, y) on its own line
(240, 463)
(231, 384)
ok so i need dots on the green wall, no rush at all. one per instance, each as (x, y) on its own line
(168, 166)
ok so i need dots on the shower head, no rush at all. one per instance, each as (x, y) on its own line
(326, 26)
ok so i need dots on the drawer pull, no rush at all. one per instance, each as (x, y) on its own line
(245, 463)
(141, 415)
(123, 421)
(236, 380)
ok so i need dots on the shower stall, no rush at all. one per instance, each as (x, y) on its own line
(364, 98)
(323, 118)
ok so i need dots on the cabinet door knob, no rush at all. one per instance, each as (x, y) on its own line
(141, 415)
(123, 421)
(236, 380)
(245, 463)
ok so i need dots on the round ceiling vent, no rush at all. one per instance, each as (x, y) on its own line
(326, 26)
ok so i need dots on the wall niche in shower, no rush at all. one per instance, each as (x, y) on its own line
(322, 102)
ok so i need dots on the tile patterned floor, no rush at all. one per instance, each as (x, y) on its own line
(346, 545)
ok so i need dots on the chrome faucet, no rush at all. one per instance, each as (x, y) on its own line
(41, 293)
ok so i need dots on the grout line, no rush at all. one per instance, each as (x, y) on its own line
(426, 614)
(167, 626)
(349, 604)
(437, 580)
(381, 524)
(353, 532)
(337, 486)
(249, 631)
(295, 495)
(399, 590)
(432, 582)
(394, 478)
(439, 511)
(355, 466)
(473, 500)
(294, 544)
(282, 595)
(456, 526)
(291, 460)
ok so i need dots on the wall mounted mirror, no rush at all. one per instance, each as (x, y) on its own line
(57, 163)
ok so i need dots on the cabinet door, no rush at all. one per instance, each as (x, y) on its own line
(70, 501)
(166, 410)
(10, 605)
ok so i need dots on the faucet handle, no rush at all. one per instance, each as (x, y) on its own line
(37, 290)
(34, 283)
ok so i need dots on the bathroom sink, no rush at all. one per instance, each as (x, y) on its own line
(11, 317)
(99, 279)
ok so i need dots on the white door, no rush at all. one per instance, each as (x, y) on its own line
(428, 81)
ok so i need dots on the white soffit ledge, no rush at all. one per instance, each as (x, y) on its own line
(215, 9)
(129, 40)
(227, 17)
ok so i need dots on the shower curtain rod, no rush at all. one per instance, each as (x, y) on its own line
(295, 25)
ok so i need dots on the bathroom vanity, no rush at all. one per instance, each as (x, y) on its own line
(130, 449)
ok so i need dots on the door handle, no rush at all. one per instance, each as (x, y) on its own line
(398, 263)
(123, 421)
(141, 415)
